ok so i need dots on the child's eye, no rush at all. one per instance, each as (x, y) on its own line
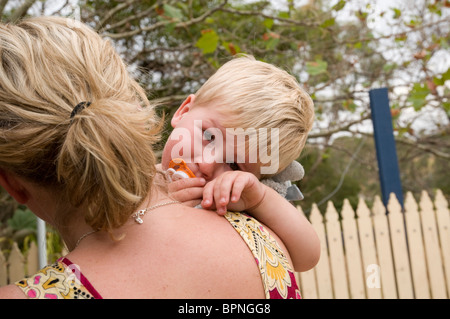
(208, 136)
(234, 166)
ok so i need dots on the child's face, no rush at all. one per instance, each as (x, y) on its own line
(202, 142)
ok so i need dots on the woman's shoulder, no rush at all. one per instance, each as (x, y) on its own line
(211, 257)
(11, 292)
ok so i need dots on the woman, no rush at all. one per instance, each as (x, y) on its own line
(76, 135)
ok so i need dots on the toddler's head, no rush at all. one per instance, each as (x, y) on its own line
(258, 101)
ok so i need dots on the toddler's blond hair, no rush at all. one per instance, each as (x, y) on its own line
(255, 94)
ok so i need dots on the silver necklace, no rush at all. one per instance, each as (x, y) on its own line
(137, 215)
(83, 236)
(137, 218)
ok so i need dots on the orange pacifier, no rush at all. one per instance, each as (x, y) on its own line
(178, 170)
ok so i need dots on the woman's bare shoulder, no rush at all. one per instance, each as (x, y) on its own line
(11, 292)
(214, 259)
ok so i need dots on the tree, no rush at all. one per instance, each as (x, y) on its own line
(338, 50)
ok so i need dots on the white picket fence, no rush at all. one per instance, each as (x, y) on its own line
(371, 254)
(367, 254)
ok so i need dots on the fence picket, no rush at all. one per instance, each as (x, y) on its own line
(16, 264)
(307, 279)
(432, 249)
(322, 269)
(336, 251)
(416, 250)
(3, 273)
(400, 249)
(368, 249)
(352, 252)
(384, 251)
(32, 259)
(443, 219)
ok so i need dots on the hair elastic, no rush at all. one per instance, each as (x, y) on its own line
(80, 106)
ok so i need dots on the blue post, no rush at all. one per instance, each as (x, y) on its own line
(385, 145)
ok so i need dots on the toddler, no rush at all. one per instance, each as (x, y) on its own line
(245, 125)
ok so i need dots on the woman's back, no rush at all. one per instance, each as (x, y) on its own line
(178, 252)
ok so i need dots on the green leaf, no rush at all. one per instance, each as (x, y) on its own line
(316, 67)
(231, 47)
(173, 12)
(339, 6)
(389, 67)
(328, 23)
(349, 105)
(283, 15)
(268, 23)
(358, 45)
(22, 219)
(208, 41)
(397, 13)
(272, 43)
(446, 75)
(418, 94)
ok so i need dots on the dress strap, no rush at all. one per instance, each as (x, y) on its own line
(277, 274)
(61, 280)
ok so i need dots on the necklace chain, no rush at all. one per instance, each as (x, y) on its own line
(83, 236)
(137, 218)
(137, 215)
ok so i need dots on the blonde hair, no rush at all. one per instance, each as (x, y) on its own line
(255, 94)
(102, 157)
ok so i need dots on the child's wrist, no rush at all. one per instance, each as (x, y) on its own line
(255, 207)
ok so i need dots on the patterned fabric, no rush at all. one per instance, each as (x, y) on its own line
(277, 275)
(63, 279)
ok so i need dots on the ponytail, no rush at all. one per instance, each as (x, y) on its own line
(106, 162)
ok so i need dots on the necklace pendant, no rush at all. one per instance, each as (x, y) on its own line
(137, 216)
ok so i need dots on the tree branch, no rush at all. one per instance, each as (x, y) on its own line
(111, 12)
(257, 13)
(22, 10)
(160, 24)
(338, 129)
(2, 5)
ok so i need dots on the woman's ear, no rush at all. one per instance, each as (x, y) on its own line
(183, 109)
(11, 183)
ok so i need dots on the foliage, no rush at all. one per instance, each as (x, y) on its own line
(338, 50)
(419, 171)
(23, 219)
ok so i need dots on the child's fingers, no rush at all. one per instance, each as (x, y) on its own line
(207, 194)
(188, 194)
(186, 183)
(187, 190)
(222, 192)
(238, 186)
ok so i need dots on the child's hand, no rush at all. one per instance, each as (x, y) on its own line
(188, 191)
(233, 190)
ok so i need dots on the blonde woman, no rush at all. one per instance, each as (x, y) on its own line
(75, 147)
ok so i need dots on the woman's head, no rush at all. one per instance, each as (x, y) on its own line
(102, 157)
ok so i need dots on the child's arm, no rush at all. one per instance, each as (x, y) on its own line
(241, 191)
(292, 227)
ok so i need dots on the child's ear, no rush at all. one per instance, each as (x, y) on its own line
(14, 187)
(183, 109)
